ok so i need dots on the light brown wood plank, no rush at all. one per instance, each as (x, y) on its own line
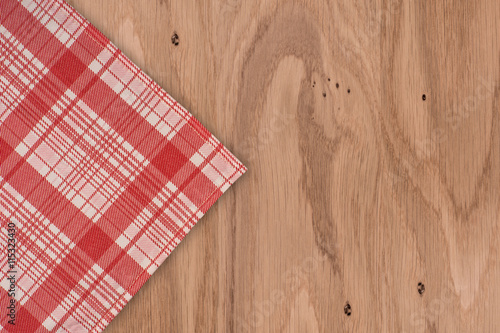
(352, 196)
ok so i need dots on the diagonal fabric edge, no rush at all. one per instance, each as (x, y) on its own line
(114, 163)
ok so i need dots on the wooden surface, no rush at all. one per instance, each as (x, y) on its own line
(354, 194)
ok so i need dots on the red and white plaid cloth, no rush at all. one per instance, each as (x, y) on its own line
(102, 172)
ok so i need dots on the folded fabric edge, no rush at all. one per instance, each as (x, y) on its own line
(137, 284)
(200, 129)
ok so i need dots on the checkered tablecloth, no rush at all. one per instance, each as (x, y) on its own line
(102, 172)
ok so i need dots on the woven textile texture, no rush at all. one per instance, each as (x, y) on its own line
(102, 172)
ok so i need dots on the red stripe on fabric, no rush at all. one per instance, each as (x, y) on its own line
(60, 282)
(68, 68)
(29, 112)
(84, 47)
(131, 202)
(122, 118)
(5, 151)
(167, 203)
(97, 243)
(43, 196)
(144, 276)
(30, 32)
(211, 200)
(97, 36)
(122, 268)
(199, 128)
(47, 49)
(25, 321)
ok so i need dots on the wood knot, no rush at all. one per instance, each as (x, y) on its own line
(175, 39)
(347, 309)
(421, 288)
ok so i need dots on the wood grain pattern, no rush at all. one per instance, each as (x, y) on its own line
(351, 197)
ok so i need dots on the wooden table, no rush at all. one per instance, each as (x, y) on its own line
(371, 130)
